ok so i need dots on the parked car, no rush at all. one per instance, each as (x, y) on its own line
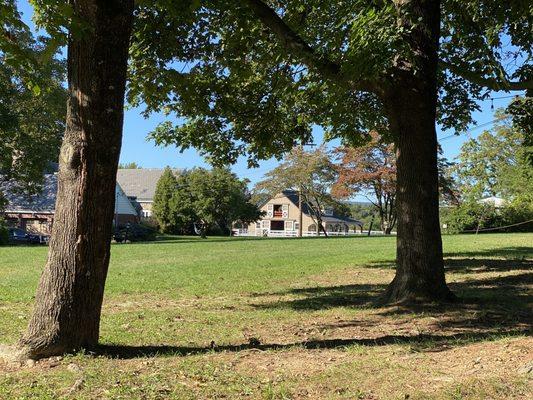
(38, 239)
(17, 235)
(20, 236)
(134, 233)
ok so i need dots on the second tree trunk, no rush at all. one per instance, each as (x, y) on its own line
(411, 104)
(419, 259)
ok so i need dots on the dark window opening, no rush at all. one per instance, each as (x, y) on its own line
(277, 225)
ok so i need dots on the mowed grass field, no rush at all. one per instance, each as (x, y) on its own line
(234, 318)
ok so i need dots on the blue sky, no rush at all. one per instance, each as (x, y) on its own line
(136, 148)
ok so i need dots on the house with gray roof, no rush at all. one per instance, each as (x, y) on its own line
(139, 184)
(282, 215)
(35, 213)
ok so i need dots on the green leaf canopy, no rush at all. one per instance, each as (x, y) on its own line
(237, 87)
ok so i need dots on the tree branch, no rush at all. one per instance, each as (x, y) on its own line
(297, 46)
(491, 83)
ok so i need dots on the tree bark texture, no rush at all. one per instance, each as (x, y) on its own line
(69, 298)
(411, 105)
(419, 263)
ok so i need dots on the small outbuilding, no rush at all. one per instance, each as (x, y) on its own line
(497, 202)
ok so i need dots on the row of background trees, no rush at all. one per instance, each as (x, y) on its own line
(495, 164)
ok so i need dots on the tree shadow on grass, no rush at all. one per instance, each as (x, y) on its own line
(502, 259)
(485, 303)
(509, 291)
(512, 253)
(490, 308)
(421, 342)
(327, 297)
(474, 265)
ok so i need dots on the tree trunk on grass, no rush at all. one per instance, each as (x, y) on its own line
(411, 106)
(69, 297)
(409, 94)
(419, 264)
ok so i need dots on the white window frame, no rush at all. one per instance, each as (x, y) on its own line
(270, 211)
(285, 211)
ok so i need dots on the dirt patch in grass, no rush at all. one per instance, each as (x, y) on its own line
(357, 274)
(479, 370)
(436, 367)
(388, 372)
(296, 362)
(129, 303)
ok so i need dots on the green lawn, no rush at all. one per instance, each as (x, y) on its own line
(186, 318)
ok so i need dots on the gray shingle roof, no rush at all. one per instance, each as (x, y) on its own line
(141, 182)
(42, 202)
(45, 201)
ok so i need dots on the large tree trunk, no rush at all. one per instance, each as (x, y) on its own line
(69, 297)
(419, 263)
(411, 106)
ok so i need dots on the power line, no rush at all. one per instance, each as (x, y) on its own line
(474, 128)
(504, 97)
(499, 98)
(499, 227)
(486, 123)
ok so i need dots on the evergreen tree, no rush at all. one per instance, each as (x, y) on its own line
(130, 165)
(164, 202)
(202, 201)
